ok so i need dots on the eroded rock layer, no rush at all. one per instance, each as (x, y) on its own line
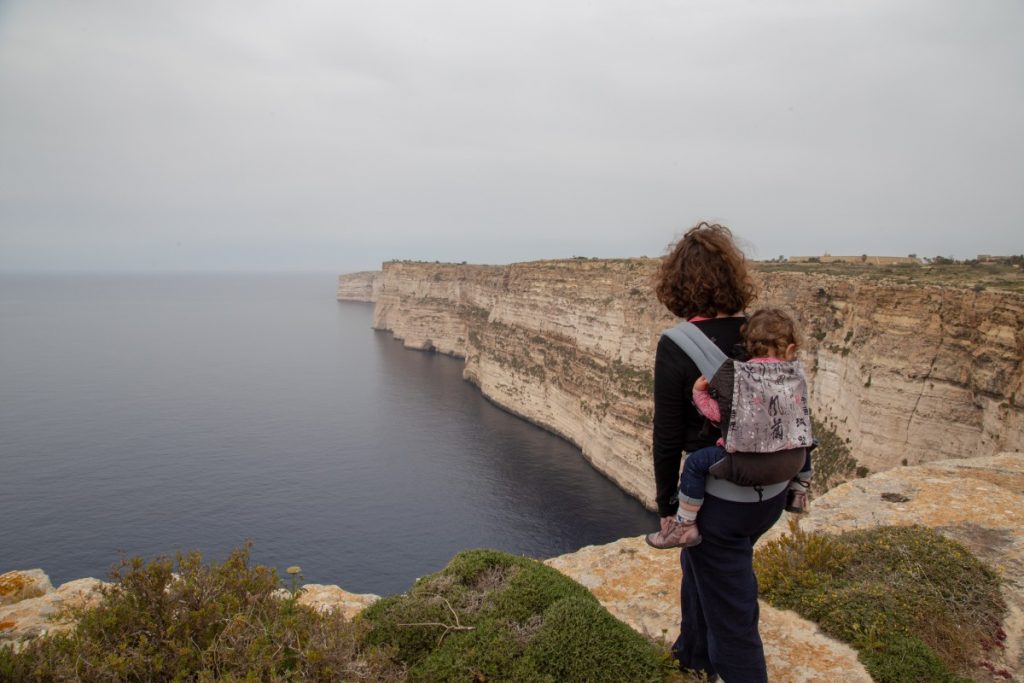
(906, 373)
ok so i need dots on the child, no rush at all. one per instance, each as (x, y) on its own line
(769, 336)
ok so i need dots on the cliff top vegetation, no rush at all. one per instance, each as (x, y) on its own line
(487, 616)
(1008, 275)
(917, 606)
(1005, 275)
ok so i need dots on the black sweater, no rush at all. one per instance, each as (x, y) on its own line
(678, 427)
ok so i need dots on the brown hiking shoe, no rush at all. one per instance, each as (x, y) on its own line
(676, 535)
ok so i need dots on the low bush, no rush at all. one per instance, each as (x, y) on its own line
(832, 460)
(579, 640)
(189, 621)
(916, 605)
(491, 616)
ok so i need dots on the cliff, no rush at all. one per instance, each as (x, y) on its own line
(357, 286)
(908, 373)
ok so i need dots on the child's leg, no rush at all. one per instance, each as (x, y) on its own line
(682, 531)
(691, 482)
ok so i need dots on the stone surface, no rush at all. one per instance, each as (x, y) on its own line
(38, 615)
(20, 584)
(640, 586)
(330, 597)
(906, 372)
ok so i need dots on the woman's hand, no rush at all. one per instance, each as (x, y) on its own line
(701, 385)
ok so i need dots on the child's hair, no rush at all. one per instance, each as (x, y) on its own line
(769, 331)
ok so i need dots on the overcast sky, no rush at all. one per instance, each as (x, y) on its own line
(203, 135)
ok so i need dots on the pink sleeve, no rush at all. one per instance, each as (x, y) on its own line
(707, 406)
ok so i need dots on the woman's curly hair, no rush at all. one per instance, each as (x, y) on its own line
(704, 273)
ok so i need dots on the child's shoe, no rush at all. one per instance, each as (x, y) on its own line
(676, 535)
(796, 501)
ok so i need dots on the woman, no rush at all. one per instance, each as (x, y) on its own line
(704, 279)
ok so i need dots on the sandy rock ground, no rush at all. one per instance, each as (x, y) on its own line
(640, 586)
(41, 613)
(18, 585)
(329, 597)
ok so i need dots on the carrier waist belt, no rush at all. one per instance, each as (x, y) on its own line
(726, 490)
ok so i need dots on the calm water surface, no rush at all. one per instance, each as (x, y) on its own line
(148, 414)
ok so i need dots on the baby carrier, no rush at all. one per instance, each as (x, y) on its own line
(766, 422)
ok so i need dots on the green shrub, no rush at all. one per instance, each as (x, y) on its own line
(798, 563)
(832, 460)
(906, 658)
(491, 616)
(580, 641)
(206, 622)
(917, 606)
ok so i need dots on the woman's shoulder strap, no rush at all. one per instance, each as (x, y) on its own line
(695, 344)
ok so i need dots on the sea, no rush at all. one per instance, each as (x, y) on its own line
(145, 415)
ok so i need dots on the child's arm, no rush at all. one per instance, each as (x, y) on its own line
(707, 405)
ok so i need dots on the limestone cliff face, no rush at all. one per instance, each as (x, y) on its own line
(905, 372)
(357, 286)
(913, 373)
(566, 344)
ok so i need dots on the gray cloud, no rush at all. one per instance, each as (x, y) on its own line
(334, 135)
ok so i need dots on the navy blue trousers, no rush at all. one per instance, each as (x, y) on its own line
(719, 592)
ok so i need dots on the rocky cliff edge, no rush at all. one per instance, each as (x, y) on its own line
(979, 502)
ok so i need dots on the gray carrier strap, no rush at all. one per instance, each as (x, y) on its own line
(726, 490)
(698, 347)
